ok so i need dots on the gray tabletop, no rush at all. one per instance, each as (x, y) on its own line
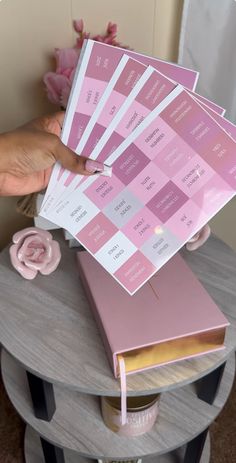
(47, 325)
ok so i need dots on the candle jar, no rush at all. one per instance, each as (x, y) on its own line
(142, 412)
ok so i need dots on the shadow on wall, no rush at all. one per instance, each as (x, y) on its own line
(14, 220)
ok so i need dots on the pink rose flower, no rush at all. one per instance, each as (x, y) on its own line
(199, 239)
(58, 84)
(34, 251)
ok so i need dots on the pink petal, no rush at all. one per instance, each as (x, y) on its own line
(98, 38)
(55, 259)
(72, 75)
(55, 84)
(78, 25)
(65, 96)
(200, 238)
(24, 271)
(108, 40)
(22, 250)
(32, 261)
(66, 58)
(20, 235)
(112, 28)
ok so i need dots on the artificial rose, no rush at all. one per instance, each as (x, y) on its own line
(199, 239)
(34, 251)
(58, 84)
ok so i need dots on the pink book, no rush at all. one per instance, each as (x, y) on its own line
(170, 318)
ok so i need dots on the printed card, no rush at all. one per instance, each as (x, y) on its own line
(145, 96)
(171, 175)
(126, 76)
(131, 114)
(96, 66)
(124, 80)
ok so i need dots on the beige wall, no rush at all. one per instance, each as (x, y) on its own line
(29, 31)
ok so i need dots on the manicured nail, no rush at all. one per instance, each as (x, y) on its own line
(96, 167)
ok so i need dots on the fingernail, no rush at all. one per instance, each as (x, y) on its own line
(96, 167)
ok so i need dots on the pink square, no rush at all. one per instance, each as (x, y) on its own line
(96, 233)
(141, 227)
(132, 118)
(174, 156)
(154, 138)
(167, 201)
(220, 155)
(187, 221)
(193, 176)
(135, 271)
(90, 95)
(111, 107)
(190, 121)
(148, 182)
(213, 195)
(103, 190)
(129, 164)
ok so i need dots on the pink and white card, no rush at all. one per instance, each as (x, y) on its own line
(145, 96)
(207, 103)
(97, 64)
(174, 172)
(124, 79)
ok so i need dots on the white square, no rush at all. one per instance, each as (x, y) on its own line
(76, 215)
(115, 252)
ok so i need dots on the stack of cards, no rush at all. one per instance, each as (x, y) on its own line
(172, 154)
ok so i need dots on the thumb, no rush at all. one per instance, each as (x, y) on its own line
(68, 159)
(75, 163)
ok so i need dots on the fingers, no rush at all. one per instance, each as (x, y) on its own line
(59, 116)
(51, 123)
(75, 163)
(54, 122)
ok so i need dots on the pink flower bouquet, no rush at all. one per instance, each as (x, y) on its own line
(58, 83)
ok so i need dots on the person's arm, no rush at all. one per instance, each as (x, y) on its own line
(28, 154)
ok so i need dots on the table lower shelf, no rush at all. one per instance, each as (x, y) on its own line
(77, 424)
(34, 453)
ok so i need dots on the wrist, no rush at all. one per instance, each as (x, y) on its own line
(4, 152)
(4, 161)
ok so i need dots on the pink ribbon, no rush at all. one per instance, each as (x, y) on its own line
(123, 390)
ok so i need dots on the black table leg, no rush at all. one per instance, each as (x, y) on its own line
(207, 387)
(194, 448)
(43, 398)
(52, 454)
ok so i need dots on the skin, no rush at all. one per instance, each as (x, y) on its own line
(27, 156)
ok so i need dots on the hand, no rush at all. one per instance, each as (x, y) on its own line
(199, 239)
(28, 154)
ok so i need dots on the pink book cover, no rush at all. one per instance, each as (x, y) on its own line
(171, 306)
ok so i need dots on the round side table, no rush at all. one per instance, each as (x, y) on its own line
(54, 368)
